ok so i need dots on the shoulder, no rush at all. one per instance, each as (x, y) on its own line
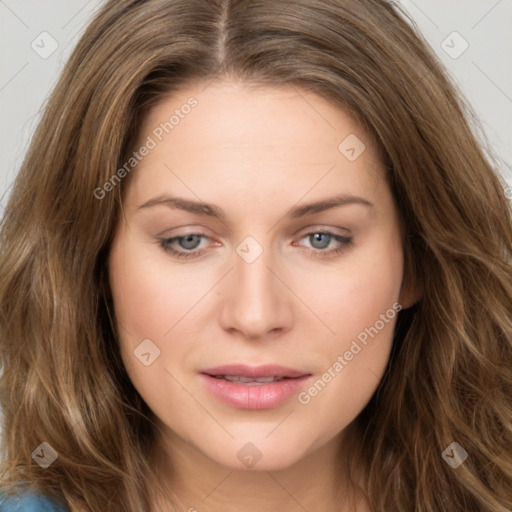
(29, 502)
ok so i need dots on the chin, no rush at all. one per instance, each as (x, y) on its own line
(255, 453)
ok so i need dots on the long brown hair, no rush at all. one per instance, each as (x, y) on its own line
(449, 378)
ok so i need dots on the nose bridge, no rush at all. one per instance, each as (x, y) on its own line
(256, 302)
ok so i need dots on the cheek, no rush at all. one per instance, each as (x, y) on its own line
(362, 311)
(149, 298)
(157, 301)
(365, 286)
(149, 301)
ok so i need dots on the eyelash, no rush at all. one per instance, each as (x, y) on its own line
(346, 242)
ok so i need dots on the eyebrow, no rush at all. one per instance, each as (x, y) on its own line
(202, 208)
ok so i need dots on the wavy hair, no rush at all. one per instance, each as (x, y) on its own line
(449, 377)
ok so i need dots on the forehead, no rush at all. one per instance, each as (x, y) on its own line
(250, 138)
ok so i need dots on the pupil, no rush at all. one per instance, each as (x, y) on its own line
(317, 237)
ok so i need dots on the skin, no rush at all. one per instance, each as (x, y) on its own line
(256, 153)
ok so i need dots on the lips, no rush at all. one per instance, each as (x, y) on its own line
(253, 387)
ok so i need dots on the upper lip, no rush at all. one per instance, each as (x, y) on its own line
(268, 370)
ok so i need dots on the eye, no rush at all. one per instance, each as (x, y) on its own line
(187, 244)
(320, 240)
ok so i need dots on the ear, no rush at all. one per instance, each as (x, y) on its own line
(411, 291)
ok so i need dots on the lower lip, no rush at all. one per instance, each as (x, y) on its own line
(257, 396)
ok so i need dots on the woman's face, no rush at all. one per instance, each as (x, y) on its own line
(258, 233)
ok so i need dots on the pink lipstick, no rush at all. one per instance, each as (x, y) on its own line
(253, 387)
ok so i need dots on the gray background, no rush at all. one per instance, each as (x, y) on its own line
(483, 71)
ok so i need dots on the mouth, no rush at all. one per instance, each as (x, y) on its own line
(249, 381)
(254, 372)
(246, 387)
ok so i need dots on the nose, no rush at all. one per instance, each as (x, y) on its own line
(256, 301)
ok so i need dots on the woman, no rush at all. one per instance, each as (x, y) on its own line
(256, 258)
